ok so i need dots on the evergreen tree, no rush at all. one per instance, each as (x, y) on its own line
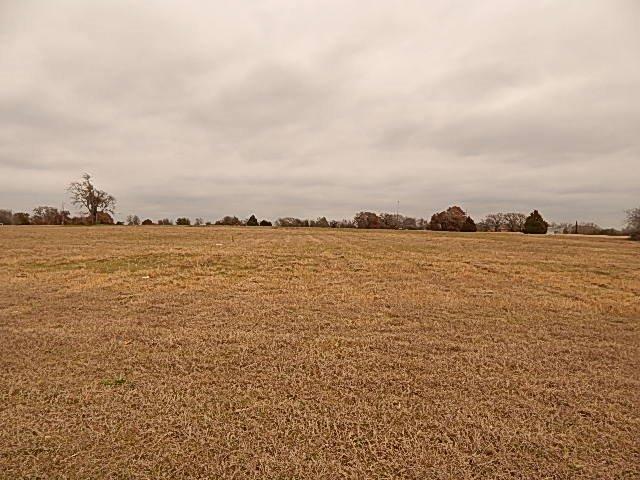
(469, 225)
(252, 222)
(535, 224)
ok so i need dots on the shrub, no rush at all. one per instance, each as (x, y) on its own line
(165, 221)
(535, 224)
(147, 221)
(265, 223)
(183, 221)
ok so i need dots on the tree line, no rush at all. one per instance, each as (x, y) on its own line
(98, 206)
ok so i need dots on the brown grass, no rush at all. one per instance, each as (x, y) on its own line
(152, 352)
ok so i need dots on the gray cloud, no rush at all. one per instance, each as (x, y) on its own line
(277, 107)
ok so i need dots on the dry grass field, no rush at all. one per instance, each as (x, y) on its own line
(168, 352)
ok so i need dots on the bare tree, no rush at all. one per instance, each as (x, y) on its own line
(44, 215)
(494, 222)
(6, 217)
(633, 223)
(85, 195)
(514, 221)
(633, 219)
(133, 220)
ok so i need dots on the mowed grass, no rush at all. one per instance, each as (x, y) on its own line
(168, 352)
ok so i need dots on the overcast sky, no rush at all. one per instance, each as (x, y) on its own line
(313, 107)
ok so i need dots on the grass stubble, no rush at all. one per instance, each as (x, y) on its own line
(167, 352)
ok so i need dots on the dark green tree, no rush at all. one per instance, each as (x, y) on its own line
(469, 225)
(252, 222)
(535, 224)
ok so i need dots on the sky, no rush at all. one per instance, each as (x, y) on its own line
(321, 107)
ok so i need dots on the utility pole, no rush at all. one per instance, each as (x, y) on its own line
(398, 215)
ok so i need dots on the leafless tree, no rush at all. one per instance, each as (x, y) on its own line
(633, 219)
(85, 195)
(514, 221)
(494, 222)
(6, 217)
(45, 215)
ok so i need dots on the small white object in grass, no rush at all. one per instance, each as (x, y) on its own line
(146, 276)
(218, 244)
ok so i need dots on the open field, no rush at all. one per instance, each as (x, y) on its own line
(168, 352)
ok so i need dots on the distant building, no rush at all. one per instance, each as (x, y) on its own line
(555, 229)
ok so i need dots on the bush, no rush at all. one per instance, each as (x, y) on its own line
(635, 236)
(535, 224)
(183, 221)
(165, 221)
(265, 223)
(252, 222)
(469, 225)
(147, 221)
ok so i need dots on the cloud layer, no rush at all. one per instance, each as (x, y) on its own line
(206, 108)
